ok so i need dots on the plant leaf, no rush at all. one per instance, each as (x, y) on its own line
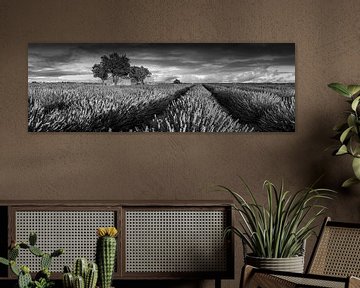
(353, 89)
(4, 261)
(349, 182)
(32, 238)
(351, 120)
(342, 150)
(355, 103)
(356, 167)
(345, 134)
(340, 88)
(355, 145)
(14, 268)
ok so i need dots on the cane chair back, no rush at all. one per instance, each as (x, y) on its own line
(335, 262)
(337, 252)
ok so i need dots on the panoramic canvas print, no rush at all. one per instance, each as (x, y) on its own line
(161, 87)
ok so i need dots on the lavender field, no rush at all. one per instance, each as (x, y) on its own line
(208, 107)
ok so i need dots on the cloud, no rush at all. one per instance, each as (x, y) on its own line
(187, 62)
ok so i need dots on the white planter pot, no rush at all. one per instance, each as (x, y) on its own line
(291, 264)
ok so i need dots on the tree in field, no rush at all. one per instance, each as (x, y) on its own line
(99, 71)
(118, 66)
(176, 81)
(138, 74)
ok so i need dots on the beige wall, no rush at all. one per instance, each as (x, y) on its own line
(179, 166)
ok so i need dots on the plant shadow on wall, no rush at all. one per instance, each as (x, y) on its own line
(276, 232)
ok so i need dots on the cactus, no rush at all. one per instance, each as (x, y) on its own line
(45, 261)
(25, 269)
(42, 278)
(79, 282)
(105, 254)
(14, 268)
(68, 280)
(91, 276)
(36, 251)
(13, 253)
(24, 280)
(87, 272)
(32, 238)
(4, 261)
(80, 267)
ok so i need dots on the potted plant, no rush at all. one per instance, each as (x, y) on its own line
(106, 254)
(276, 233)
(42, 278)
(348, 132)
(84, 274)
(87, 274)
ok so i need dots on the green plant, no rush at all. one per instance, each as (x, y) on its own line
(85, 275)
(349, 132)
(80, 268)
(42, 278)
(79, 282)
(105, 254)
(43, 283)
(279, 229)
(91, 275)
(68, 278)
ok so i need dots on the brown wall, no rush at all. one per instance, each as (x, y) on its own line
(179, 166)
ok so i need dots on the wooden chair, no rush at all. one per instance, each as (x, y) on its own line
(334, 263)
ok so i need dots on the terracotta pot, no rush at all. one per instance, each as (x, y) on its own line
(291, 264)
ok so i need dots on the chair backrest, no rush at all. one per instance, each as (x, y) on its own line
(337, 251)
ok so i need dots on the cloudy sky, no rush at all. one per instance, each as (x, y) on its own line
(187, 62)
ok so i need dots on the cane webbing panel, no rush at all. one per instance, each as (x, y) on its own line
(75, 231)
(313, 282)
(260, 280)
(338, 252)
(175, 241)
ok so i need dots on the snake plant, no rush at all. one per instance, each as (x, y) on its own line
(279, 228)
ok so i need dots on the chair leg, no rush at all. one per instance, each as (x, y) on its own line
(246, 274)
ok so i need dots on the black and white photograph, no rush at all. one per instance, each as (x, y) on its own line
(168, 87)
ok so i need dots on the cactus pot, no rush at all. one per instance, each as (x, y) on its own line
(291, 264)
